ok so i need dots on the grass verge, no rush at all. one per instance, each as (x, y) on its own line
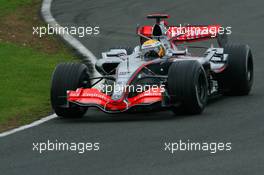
(26, 64)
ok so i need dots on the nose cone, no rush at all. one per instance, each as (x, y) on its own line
(116, 105)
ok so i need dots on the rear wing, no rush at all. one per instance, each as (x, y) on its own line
(190, 33)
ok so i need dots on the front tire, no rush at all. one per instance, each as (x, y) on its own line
(68, 76)
(187, 87)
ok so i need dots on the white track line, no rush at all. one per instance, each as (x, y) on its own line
(46, 13)
(21, 128)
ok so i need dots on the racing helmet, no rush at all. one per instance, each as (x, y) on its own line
(152, 49)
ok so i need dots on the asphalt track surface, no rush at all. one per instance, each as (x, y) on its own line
(134, 144)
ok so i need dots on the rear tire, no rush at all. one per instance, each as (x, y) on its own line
(187, 87)
(238, 77)
(68, 76)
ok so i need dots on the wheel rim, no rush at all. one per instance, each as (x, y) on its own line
(249, 76)
(201, 90)
(84, 80)
(249, 70)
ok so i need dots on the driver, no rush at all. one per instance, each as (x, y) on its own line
(152, 49)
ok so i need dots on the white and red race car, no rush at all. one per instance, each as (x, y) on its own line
(157, 73)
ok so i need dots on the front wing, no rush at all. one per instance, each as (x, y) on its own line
(93, 97)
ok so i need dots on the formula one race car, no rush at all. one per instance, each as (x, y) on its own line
(157, 73)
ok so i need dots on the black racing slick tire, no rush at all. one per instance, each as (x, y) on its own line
(187, 87)
(238, 77)
(68, 76)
